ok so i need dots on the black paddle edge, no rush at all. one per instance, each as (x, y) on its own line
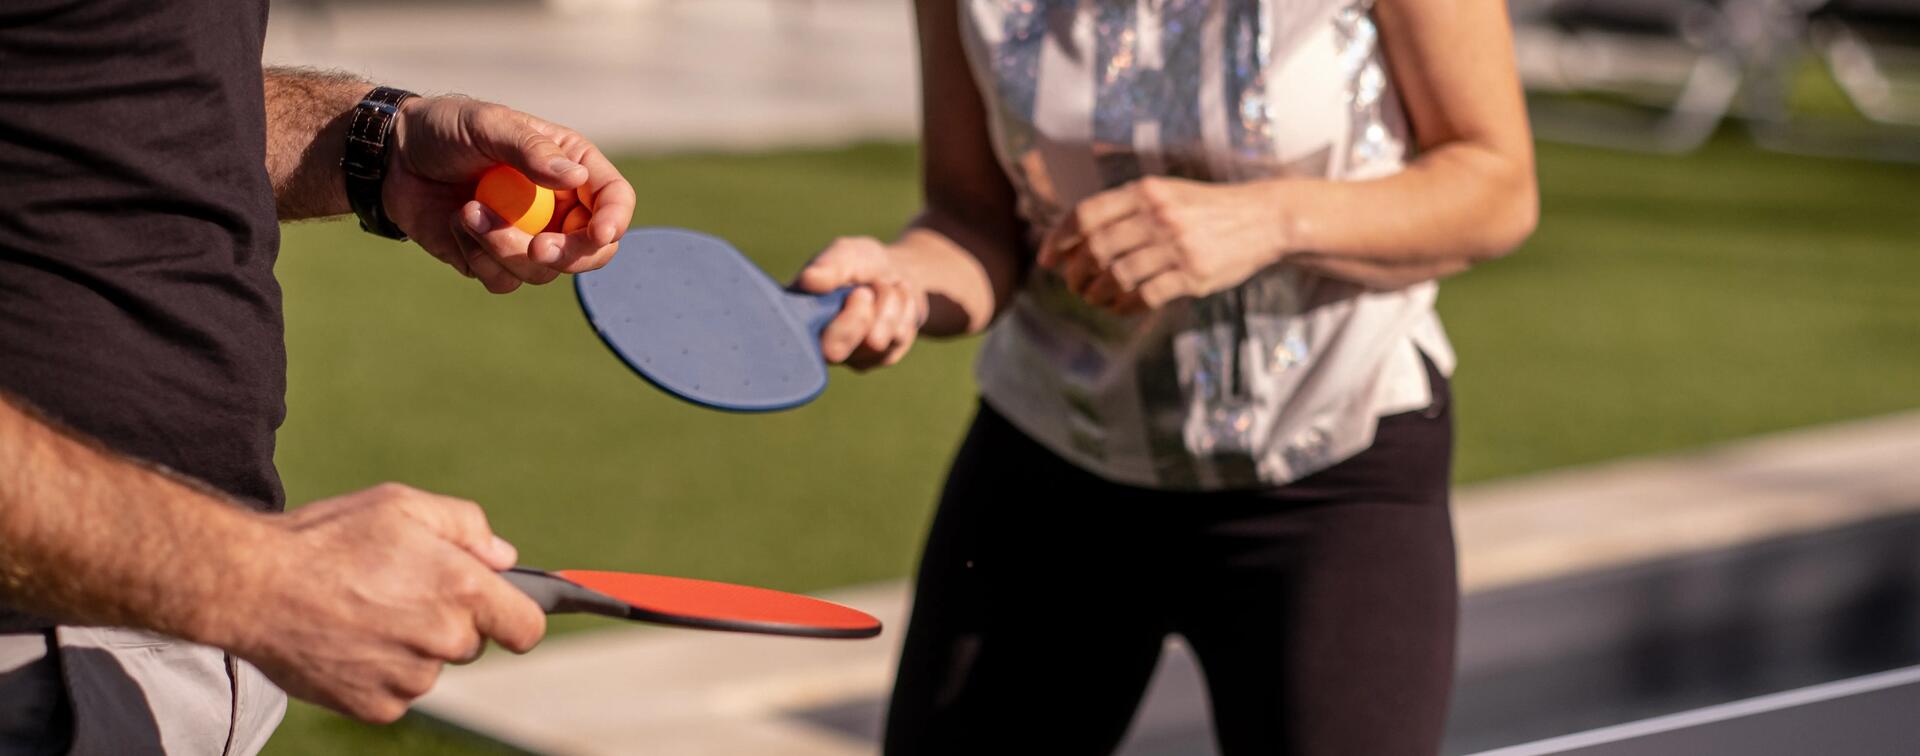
(758, 628)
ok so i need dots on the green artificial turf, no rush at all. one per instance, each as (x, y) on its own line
(1665, 303)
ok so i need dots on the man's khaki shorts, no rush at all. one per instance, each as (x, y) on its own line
(97, 690)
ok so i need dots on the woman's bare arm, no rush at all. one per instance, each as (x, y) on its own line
(959, 261)
(1467, 196)
(1470, 193)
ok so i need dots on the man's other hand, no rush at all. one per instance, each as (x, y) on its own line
(363, 598)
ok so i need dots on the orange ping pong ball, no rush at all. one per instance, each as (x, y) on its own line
(526, 205)
(581, 214)
(577, 219)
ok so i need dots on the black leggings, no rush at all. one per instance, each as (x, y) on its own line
(1322, 612)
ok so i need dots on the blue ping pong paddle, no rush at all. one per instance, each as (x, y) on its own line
(696, 318)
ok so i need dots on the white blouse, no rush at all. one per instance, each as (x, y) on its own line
(1261, 384)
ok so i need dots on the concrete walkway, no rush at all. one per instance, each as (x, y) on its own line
(632, 690)
(654, 75)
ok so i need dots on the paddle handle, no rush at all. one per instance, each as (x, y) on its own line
(817, 310)
(557, 595)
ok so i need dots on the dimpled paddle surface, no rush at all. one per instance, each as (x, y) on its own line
(695, 317)
(725, 604)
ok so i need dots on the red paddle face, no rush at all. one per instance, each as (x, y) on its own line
(725, 603)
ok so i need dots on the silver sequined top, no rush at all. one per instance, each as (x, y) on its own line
(1258, 385)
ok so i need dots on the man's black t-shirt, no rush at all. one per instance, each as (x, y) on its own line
(138, 234)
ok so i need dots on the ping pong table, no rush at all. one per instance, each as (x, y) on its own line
(1869, 715)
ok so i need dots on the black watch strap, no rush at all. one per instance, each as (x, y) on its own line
(365, 160)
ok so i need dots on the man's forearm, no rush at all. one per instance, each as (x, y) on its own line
(87, 537)
(307, 114)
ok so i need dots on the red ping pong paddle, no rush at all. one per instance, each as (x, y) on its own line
(685, 602)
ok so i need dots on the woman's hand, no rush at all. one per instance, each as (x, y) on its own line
(1157, 239)
(878, 323)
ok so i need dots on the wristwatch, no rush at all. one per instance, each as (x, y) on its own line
(365, 161)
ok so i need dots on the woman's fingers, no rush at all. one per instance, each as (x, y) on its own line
(849, 329)
(881, 316)
(895, 323)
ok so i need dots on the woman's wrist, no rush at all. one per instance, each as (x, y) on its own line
(1279, 206)
(925, 267)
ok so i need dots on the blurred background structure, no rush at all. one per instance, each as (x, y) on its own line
(1687, 406)
(636, 74)
(1835, 77)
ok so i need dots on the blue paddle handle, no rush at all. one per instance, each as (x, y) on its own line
(824, 307)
